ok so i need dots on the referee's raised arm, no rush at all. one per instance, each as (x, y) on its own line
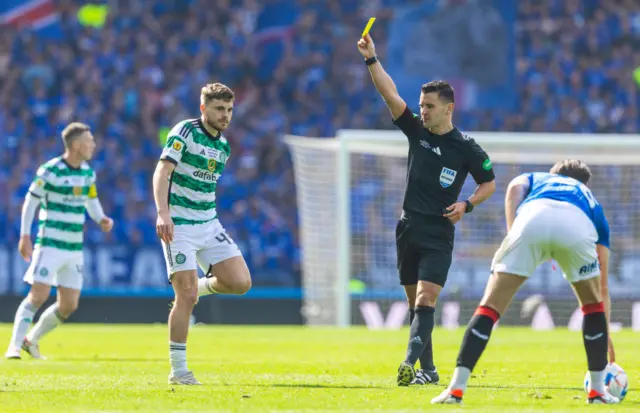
(381, 79)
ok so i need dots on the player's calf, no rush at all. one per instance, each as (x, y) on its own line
(185, 287)
(595, 333)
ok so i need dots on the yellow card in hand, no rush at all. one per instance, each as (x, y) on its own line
(368, 27)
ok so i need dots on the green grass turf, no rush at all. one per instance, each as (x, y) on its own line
(124, 368)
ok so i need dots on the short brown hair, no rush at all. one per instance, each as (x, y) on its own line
(574, 169)
(216, 91)
(443, 89)
(73, 131)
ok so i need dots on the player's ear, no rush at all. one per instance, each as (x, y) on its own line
(450, 108)
(202, 108)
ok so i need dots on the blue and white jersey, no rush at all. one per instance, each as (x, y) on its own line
(543, 185)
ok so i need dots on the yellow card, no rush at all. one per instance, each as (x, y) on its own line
(368, 27)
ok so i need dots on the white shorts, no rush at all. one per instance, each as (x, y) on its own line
(203, 244)
(56, 267)
(547, 229)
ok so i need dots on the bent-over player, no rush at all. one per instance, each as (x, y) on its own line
(549, 216)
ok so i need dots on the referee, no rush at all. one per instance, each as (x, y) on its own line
(440, 158)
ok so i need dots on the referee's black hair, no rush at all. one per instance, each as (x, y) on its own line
(574, 169)
(442, 88)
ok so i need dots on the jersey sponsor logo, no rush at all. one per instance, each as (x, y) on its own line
(588, 269)
(447, 176)
(73, 200)
(206, 176)
(486, 165)
(181, 258)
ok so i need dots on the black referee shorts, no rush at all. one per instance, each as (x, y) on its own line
(425, 248)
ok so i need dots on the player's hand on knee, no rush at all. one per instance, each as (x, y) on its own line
(25, 247)
(455, 211)
(164, 227)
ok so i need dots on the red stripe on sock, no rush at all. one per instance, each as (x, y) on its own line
(593, 308)
(489, 312)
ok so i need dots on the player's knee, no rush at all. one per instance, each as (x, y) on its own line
(38, 295)
(186, 297)
(588, 291)
(243, 285)
(427, 298)
(67, 308)
(427, 294)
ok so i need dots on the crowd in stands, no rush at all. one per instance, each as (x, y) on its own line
(295, 69)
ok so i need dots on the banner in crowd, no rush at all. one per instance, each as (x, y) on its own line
(127, 271)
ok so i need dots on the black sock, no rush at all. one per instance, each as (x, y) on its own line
(595, 336)
(426, 359)
(420, 332)
(477, 336)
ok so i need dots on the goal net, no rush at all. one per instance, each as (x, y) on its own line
(350, 190)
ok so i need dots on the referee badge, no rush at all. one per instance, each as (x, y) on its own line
(447, 176)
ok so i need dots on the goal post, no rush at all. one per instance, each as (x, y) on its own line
(350, 190)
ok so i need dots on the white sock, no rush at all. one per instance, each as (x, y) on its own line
(178, 358)
(49, 320)
(460, 378)
(204, 287)
(22, 321)
(596, 381)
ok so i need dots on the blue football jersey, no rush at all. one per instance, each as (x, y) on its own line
(543, 185)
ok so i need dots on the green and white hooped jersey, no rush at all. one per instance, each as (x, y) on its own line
(200, 159)
(63, 192)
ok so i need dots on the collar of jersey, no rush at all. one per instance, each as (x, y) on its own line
(206, 132)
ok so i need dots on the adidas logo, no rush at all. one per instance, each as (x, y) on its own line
(426, 145)
(416, 340)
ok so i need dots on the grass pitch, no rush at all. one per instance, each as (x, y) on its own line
(124, 368)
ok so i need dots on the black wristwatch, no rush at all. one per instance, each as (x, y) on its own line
(469, 206)
(370, 60)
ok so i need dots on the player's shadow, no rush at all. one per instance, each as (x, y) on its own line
(114, 359)
(524, 387)
(320, 386)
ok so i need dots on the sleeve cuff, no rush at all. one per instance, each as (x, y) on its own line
(170, 159)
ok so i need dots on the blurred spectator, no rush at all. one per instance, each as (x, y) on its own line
(295, 69)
